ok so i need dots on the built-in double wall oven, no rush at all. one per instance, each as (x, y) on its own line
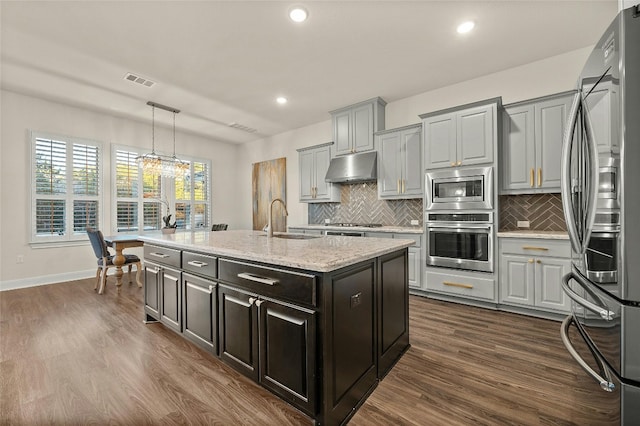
(459, 219)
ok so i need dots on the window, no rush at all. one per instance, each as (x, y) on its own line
(140, 197)
(66, 197)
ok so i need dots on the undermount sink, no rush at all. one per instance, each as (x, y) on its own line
(296, 236)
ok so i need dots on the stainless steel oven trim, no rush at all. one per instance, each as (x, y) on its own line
(458, 175)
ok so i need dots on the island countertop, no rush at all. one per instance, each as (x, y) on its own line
(319, 254)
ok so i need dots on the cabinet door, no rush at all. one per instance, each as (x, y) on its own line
(324, 191)
(342, 132)
(517, 281)
(393, 310)
(415, 267)
(412, 172)
(549, 273)
(152, 290)
(238, 330)
(518, 149)
(307, 174)
(389, 165)
(439, 141)
(550, 120)
(199, 311)
(475, 135)
(362, 128)
(170, 299)
(288, 353)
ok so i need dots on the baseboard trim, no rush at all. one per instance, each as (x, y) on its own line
(46, 279)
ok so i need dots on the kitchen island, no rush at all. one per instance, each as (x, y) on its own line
(317, 320)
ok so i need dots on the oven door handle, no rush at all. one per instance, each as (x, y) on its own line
(605, 382)
(459, 226)
(603, 312)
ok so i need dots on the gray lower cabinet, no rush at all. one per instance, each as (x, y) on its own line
(531, 272)
(414, 266)
(313, 165)
(460, 136)
(354, 126)
(162, 293)
(532, 144)
(400, 173)
(171, 298)
(151, 291)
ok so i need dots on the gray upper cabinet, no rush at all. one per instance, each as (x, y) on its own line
(532, 144)
(399, 163)
(313, 163)
(460, 137)
(354, 126)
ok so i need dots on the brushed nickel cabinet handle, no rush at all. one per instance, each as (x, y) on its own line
(259, 302)
(453, 163)
(257, 278)
(531, 175)
(540, 177)
(251, 300)
(160, 255)
(197, 263)
(398, 186)
(535, 248)
(450, 284)
(404, 186)
(530, 260)
(459, 163)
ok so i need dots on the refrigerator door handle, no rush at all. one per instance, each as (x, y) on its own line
(566, 175)
(604, 313)
(605, 382)
(594, 176)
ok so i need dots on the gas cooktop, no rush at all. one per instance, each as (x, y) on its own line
(353, 225)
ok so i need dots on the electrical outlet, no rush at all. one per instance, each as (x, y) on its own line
(20, 258)
(327, 221)
(414, 222)
(523, 224)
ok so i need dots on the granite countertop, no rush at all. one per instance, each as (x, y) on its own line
(551, 235)
(320, 254)
(394, 229)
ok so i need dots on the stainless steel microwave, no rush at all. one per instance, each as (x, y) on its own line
(460, 189)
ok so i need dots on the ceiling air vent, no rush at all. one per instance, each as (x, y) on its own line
(140, 80)
(243, 127)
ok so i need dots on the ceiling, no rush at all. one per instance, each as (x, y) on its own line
(223, 62)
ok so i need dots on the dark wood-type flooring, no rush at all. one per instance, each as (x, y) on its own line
(71, 356)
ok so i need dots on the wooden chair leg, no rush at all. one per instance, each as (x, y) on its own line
(138, 272)
(95, 287)
(129, 272)
(103, 281)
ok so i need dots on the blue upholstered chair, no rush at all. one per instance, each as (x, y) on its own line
(219, 227)
(105, 260)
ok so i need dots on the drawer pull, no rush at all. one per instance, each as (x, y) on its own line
(160, 255)
(257, 278)
(197, 263)
(450, 284)
(535, 248)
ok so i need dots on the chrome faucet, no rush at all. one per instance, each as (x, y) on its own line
(269, 223)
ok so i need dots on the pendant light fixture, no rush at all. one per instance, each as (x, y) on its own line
(159, 164)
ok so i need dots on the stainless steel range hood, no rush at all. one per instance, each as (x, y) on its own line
(352, 168)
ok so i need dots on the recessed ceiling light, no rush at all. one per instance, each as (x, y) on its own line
(281, 100)
(298, 14)
(465, 27)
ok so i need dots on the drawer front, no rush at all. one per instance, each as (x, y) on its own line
(162, 255)
(415, 237)
(271, 282)
(536, 247)
(479, 288)
(200, 264)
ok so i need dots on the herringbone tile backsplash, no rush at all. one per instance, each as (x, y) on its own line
(360, 204)
(543, 211)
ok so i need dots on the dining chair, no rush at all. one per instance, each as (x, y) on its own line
(105, 260)
(219, 227)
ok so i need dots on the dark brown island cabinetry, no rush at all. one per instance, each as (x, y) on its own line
(319, 340)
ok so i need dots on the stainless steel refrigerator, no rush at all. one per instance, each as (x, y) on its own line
(601, 201)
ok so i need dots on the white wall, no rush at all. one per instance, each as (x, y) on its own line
(545, 77)
(20, 114)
